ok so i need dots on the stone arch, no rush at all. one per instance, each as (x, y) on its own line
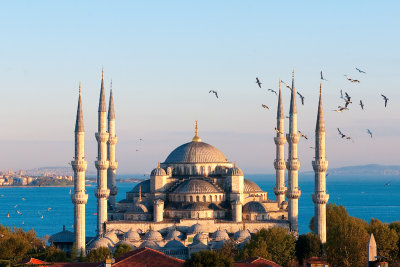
(204, 199)
(197, 198)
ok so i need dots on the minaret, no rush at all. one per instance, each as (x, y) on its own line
(320, 165)
(79, 165)
(102, 164)
(111, 173)
(293, 193)
(279, 162)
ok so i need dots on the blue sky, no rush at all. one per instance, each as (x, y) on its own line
(164, 57)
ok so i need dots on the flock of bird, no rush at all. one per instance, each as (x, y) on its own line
(341, 108)
(20, 213)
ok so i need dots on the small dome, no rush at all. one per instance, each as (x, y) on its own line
(153, 236)
(196, 152)
(196, 186)
(217, 245)
(196, 228)
(251, 187)
(200, 237)
(220, 235)
(174, 244)
(145, 187)
(235, 171)
(100, 243)
(241, 235)
(132, 236)
(174, 235)
(158, 171)
(124, 242)
(254, 206)
(112, 236)
(149, 244)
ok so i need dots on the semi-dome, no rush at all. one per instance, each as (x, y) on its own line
(251, 187)
(220, 235)
(196, 152)
(196, 186)
(254, 206)
(153, 236)
(145, 187)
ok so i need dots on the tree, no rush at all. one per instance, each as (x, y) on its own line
(74, 252)
(53, 254)
(207, 258)
(99, 254)
(275, 244)
(121, 250)
(230, 249)
(307, 246)
(386, 239)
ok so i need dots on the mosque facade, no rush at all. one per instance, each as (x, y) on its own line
(196, 197)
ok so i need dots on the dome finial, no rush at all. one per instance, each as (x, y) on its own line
(196, 138)
(158, 164)
(140, 193)
(80, 88)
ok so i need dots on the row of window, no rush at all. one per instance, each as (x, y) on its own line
(204, 198)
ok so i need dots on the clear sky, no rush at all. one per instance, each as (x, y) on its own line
(164, 57)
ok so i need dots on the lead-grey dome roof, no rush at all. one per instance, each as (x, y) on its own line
(153, 236)
(196, 152)
(251, 187)
(196, 186)
(254, 206)
(145, 187)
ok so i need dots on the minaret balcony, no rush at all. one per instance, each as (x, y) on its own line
(102, 193)
(113, 165)
(79, 165)
(294, 194)
(102, 164)
(280, 140)
(293, 165)
(112, 140)
(279, 190)
(102, 137)
(320, 198)
(113, 191)
(320, 165)
(293, 138)
(279, 165)
(79, 198)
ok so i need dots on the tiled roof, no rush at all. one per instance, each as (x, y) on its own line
(255, 262)
(147, 257)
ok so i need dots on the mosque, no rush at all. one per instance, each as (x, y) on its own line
(196, 199)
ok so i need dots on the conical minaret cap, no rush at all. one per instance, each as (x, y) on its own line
(111, 113)
(79, 114)
(102, 102)
(279, 114)
(293, 107)
(320, 127)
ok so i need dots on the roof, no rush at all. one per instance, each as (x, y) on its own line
(196, 186)
(32, 261)
(64, 236)
(174, 244)
(254, 206)
(220, 235)
(255, 261)
(250, 186)
(196, 228)
(196, 152)
(153, 236)
(145, 185)
(147, 257)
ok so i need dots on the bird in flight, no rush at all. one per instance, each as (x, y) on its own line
(258, 82)
(277, 131)
(369, 132)
(349, 138)
(322, 77)
(140, 139)
(301, 98)
(15, 206)
(341, 94)
(48, 209)
(214, 92)
(347, 99)
(352, 80)
(340, 133)
(388, 183)
(303, 135)
(264, 106)
(19, 212)
(273, 91)
(361, 104)
(360, 71)
(386, 99)
(137, 150)
(287, 85)
(340, 109)
(312, 147)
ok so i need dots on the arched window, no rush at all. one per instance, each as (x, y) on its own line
(204, 199)
(209, 169)
(216, 198)
(248, 217)
(220, 198)
(202, 170)
(197, 199)
(210, 198)
(191, 198)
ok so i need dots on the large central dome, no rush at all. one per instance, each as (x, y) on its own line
(196, 152)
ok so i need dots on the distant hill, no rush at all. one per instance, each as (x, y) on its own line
(49, 171)
(364, 170)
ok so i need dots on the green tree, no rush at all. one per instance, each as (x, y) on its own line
(121, 250)
(207, 258)
(386, 239)
(274, 244)
(307, 246)
(74, 252)
(230, 249)
(99, 254)
(53, 254)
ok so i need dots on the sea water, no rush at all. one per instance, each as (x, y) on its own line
(47, 209)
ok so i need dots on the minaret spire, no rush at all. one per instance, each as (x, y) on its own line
(196, 137)
(320, 165)
(102, 163)
(293, 193)
(79, 165)
(279, 162)
(113, 164)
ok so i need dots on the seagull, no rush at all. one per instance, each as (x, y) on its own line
(303, 135)
(312, 147)
(286, 85)
(137, 150)
(140, 139)
(264, 106)
(340, 133)
(48, 209)
(15, 206)
(214, 92)
(327, 174)
(258, 82)
(273, 91)
(369, 132)
(341, 94)
(360, 71)
(340, 109)
(23, 198)
(349, 138)
(347, 96)
(362, 105)
(387, 183)
(322, 77)
(19, 212)
(386, 99)
(302, 98)
(41, 217)
(352, 80)
(277, 131)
